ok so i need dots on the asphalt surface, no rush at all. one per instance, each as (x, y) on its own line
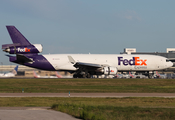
(32, 113)
(93, 95)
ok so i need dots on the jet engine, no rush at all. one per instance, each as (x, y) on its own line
(35, 48)
(110, 70)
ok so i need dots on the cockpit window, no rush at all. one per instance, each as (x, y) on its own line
(167, 60)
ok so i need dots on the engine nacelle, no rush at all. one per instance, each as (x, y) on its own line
(110, 70)
(39, 47)
(35, 48)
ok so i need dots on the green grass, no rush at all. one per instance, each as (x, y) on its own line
(102, 108)
(106, 112)
(122, 102)
(87, 85)
(96, 108)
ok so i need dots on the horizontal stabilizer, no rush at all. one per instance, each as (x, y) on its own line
(19, 58)
(23, 59)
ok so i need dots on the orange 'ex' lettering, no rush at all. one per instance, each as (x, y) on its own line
(137, 61)
(27, 50)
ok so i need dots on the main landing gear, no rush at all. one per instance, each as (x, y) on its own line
(150, 76)
(87, 75)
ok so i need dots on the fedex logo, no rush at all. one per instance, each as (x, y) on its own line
(134, 61)
(110, 71)
(23, 50)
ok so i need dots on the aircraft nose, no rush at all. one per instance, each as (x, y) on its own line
(171, 64)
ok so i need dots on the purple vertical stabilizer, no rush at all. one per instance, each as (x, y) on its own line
(17, 37)
(26, 53)
(20, 44)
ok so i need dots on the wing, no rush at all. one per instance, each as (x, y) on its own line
(90, 65)
(87, 66)
(85, 70)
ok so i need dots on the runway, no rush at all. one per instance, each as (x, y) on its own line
(32, 113)
(92, 95)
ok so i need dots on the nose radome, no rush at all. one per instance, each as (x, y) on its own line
(168, 64)
(171, 64)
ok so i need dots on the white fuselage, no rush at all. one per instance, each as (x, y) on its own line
(123, 62)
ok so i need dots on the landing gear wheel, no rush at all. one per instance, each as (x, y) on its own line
(75, 76)
(84, 76)
(88, 76)
(150, 76)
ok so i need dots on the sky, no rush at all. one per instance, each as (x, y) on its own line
(90, 26)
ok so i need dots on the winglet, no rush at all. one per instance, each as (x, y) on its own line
(71, 60)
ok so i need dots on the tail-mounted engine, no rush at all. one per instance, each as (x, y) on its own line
(35, 48)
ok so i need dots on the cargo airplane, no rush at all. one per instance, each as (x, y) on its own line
(81, 65)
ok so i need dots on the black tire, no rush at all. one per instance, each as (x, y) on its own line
(150, 76)
(75, 76)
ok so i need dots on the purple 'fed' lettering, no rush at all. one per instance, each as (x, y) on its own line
(133, 61)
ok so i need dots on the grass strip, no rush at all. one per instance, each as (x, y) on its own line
(107, 112)
(87, 85)
(143, 102)
(102, 108)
